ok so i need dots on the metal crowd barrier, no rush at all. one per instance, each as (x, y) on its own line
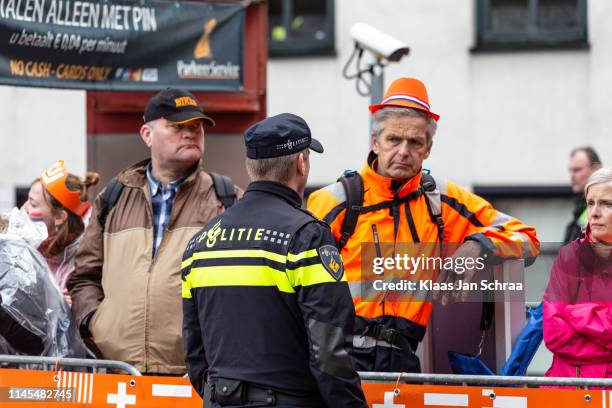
(51, 362)
(405, 378)
(458, 379)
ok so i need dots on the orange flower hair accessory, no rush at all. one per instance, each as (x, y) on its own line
(54, 181)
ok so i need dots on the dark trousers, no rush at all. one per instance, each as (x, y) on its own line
(385, 359)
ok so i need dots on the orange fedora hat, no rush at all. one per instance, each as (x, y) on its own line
(406, 93)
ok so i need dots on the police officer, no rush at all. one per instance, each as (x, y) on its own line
(267, 311)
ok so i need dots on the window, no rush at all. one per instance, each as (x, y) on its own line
(531, 24)
(301, 28)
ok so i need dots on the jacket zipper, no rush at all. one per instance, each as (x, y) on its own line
(146, 334)
(378, 254)
(376, 241)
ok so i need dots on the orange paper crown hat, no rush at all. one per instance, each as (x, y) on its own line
(54, 181)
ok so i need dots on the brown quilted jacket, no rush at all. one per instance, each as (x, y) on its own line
(137, 299)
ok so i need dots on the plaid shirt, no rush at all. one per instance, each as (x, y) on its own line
(162, 200)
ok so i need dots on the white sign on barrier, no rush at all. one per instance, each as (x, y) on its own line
(389, 402)
(121, 398)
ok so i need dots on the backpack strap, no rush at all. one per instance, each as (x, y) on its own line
(224, 188)
(434, 205)
(488, 311)
(391, 203)
(434, 201)
(108, 199)
(486, 319)
(353, 188)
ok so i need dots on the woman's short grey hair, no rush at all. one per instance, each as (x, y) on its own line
(272, 169)
(603, 175)
(391, 111)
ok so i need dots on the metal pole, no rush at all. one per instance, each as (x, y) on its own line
(442, 379)
(378, 83)
(377, 86)
(72, 362)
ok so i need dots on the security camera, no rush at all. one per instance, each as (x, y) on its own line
(380, 44)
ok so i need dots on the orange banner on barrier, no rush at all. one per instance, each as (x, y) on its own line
(71, 389)
(435, 396)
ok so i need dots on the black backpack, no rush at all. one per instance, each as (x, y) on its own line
(224, 188)
(353, 188)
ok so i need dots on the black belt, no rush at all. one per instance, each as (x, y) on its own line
(254, 393)
(272, 397)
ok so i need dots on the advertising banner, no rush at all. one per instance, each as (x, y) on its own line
(122, 45)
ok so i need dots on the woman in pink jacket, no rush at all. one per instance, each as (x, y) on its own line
(578, 299)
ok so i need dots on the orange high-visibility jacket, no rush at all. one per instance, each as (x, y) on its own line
(465, 215)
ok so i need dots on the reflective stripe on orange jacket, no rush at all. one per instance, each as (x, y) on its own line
(465, 215)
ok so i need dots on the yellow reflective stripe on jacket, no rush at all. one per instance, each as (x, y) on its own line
(238, 275)
(311, 275)
(302, 255)
(235, 253)
(185, 290)
(249, 253)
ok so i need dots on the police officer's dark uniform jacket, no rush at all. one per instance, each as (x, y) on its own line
(266, 302)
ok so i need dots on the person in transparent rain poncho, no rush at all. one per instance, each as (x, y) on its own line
(35, 316)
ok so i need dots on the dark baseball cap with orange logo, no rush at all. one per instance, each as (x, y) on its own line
(175, 105)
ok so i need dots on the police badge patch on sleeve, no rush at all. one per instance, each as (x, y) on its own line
(331, 260)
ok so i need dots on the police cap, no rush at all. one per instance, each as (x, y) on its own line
(279, 135)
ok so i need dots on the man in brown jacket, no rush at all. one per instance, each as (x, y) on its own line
(126, 287)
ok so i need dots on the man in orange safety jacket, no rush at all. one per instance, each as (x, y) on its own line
(397, 208)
